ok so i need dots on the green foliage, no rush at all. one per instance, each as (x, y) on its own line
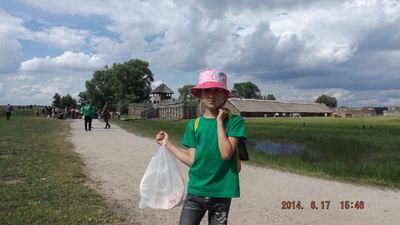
(68, 101)
(64, 101)
(329, 101)
(270, 97)
(122, 106)
(185, 94)
(99, 90)
(57, 100)
(129, 82)
(246, 90)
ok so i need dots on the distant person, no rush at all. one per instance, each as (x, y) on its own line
(37, 114)
(87, 111)
(44, 112)
(106, 117)
(9, 109)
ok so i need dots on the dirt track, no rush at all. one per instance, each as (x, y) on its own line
(116, 161)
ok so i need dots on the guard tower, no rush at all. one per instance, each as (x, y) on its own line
(161, 93)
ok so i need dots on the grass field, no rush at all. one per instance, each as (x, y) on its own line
(360, 150)
(41, 179)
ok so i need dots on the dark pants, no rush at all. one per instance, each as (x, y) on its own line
(8, 115)
(107, 124)
(195, 207)
(88, 120)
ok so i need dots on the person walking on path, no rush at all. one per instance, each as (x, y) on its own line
(212, 153)
(106, 118)
(37, 114)
(9, 109)
(88, 115)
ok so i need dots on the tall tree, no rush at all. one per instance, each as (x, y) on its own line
(329, 101)
(120, 85)
(270, 97)
(185, 94)
(68, 101)
(246, 90)
(99, 90)
(57, 100)
(132, 82)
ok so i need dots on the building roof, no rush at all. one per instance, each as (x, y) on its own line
(256, 105)
(162, 89)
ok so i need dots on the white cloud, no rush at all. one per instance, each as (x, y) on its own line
(107, 49)
(10, 50)
(2, 90)
(35, 91)
(155, 84)
(10, 26)
(74, 7)
(10, 55)
(22, 78)
(67, 61)
(62, 37)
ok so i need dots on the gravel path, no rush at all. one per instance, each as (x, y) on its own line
(116, 161)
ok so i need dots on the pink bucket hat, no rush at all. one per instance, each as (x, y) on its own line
(213, 78)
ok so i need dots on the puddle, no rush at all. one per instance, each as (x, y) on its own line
(300, 152)
(285, 149)
(273, 147)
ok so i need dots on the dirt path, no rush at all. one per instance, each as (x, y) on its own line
(116, 161)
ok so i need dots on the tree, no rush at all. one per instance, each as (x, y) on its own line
(132, 81)
(57, 100)
(99, 90)
(329, 101)
(68, 102)
(270, 97)
(116, 87)
(246, 90)
(185, 94)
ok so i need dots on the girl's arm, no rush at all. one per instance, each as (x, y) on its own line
(227, 145)
(185, 156)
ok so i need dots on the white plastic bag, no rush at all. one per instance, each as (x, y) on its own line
(162, 185)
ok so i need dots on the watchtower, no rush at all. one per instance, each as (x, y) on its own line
(161, 93)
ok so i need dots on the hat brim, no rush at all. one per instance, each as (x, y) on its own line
(207, 85)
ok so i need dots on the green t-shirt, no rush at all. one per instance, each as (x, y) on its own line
(87, 110)
(209, 175)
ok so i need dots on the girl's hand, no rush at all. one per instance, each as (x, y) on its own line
(222, 114)
(162, 137)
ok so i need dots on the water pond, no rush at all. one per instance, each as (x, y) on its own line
(275, 147)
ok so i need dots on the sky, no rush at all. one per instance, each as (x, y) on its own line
(295, 50)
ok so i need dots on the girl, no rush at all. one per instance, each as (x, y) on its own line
(212, 153)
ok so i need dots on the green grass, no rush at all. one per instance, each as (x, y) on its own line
(364, 150)
(41, 179)
(360, 150)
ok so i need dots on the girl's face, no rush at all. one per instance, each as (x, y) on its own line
(213, 98)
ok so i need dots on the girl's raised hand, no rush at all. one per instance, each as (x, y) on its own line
(222, 114)
(162, 137)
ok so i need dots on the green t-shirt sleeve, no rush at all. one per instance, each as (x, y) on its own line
(189, 138)
(236, 127)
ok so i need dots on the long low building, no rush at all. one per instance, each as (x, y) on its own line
(268, 108)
